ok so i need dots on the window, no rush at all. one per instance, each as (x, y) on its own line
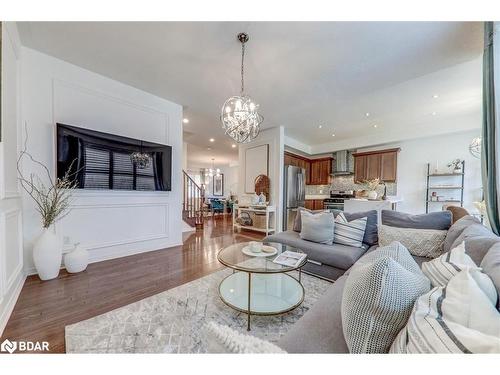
(108, 169)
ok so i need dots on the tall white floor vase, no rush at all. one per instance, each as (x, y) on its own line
(47, 254)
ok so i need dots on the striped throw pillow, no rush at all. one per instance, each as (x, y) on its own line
(442, 269)
(456, 318)
(349, 233)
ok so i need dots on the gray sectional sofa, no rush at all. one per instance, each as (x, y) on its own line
(320, 329)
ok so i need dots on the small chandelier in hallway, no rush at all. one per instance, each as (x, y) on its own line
(239, 115)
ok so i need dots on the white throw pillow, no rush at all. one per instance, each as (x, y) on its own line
(456, 318)
(442, 269)
(223, 339)
(420, 242)
(317, 227)
(349, 233)
(377, 300)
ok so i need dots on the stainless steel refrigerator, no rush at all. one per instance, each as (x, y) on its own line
(294, 194)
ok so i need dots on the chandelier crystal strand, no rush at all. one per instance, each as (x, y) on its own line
(240, 118)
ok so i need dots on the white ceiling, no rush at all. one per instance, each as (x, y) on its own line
(303, 74)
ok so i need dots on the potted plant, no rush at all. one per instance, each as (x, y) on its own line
(456, 166)
(52, 201)
(371, 186)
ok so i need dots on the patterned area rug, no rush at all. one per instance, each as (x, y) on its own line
(173, 321)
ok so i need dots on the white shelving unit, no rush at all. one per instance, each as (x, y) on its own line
(270, 212)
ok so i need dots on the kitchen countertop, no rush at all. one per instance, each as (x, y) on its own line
(390, 199)
(317, 196)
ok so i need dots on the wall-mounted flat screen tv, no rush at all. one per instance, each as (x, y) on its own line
(103, 161)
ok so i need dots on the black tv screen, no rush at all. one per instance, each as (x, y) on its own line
(101, 161)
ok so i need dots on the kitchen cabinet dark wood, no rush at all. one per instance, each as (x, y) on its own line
(381, 164)
(314, 204)
(320, 171)
(301, 162)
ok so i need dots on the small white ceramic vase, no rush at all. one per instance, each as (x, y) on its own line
(372, 194)
(255, 198)
(47, 254)
(262, 198)
(77, 259)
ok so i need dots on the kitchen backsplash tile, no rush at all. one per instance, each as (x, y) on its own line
(347, 183)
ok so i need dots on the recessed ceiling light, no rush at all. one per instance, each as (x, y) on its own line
(320, 126)
(185, 120)
(333, 135)
(435, 96)
(367, 114)
(375, 126)
(434, 113)
(209, 148)
(212, 140)
(233, 145)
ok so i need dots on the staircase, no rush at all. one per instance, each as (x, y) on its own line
(192, 204)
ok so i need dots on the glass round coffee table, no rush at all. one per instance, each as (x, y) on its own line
(258, 286)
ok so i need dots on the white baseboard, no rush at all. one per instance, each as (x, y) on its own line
(11, 301)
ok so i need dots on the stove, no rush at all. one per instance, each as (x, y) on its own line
(337, 198)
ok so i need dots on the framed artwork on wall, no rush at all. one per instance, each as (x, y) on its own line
(256, 163)
(218, 185)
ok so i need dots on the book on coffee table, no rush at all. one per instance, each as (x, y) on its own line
(290, 258)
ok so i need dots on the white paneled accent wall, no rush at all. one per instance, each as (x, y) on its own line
(109, 223)
(11, 251)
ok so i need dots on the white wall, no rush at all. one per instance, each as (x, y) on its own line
(275, 138)
(109, 223)
(412, 169)
(11, 251)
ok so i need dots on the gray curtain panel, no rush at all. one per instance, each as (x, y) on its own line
(490, 141)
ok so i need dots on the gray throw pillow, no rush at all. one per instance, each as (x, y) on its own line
(491, 266)
(457, 229)
(371, 231)
(317, 227)
(435, 220)
(377, 301)
(297, 222)
(478, 240)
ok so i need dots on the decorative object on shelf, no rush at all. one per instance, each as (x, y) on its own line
(245, 219)
(77, 259)
(52, 201)
(262, 198)
(255, 198)
(371, 186)
(141, 160)
(240, 117)
(455, 165)
(262, 185)
(218, 184)
(475, 147)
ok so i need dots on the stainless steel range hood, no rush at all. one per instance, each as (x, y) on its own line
(344, 164)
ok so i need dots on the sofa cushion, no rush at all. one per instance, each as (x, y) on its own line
(491, 266)
(297, 222)
(435, 220)
(371, 230)
(320, 329)
(317, 227)
(335, 255)
(377, 301)
(456, 230)
(442, 269)
(456, 318)
(478, 240)
(350, 233)
(420, 242)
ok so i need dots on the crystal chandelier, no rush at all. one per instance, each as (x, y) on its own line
(239, 116)
(210, 172)
(475, 147)
(140, 159)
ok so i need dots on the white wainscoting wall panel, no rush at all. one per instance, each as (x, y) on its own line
(11, 238)
(109, 223)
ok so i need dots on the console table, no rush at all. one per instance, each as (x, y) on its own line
(270, 220)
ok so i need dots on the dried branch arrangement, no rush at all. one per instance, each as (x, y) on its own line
(52, 199)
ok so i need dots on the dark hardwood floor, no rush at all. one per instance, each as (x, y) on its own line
(44, 308)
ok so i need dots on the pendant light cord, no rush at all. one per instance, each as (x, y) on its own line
(242, 67)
